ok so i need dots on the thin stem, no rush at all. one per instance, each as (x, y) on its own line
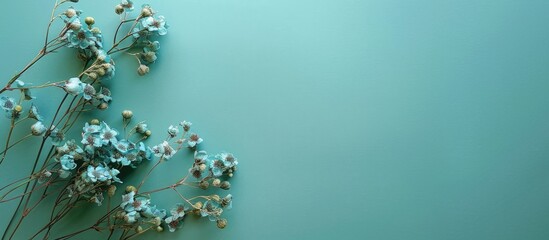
(12, 125)
(149, 173)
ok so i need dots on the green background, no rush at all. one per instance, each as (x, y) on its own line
(351, 119)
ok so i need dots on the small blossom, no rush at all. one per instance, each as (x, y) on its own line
(81, 38)
(33, 113)
(37, 129)
(127, 199)
(25, 90)
(56, 136)
(74, 86)
(99, 173)
(67, 162)
(211, 210)
(89, 92)
(108, 135)
(157, 25)
(186, 125)
(164, 149)
(7, 104)
(193, 140)
(173, 131)
(127, 5)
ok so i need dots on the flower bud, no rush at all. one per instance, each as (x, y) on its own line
(225, 185)
(103, 106)
(70, 12)
(119, 9)
(94, 121)
(148, 133)
(198, 205)
(131, 188)
(112, 190)
(75, 26)
(157, 221)
(127, 114)
(215, 197)
(202, 167)
(139, 229)
(159, 229)
(142, 70)
(38, 129)
(221, 223)
(216, 182)
(18, 108)
(204, 184)
(149, 56)
(146, 12)
(101, 71)
(89, 20)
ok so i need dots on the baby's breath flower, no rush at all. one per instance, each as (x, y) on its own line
(142, 70)
(33, 113)
(37, 129)
(74, 86)
(173, 131)
(194, 140)
(7, 104)
(67, 162)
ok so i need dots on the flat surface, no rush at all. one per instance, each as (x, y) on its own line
(379, 119)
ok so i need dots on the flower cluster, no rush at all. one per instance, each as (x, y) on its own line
(101, 157)
(137, 209)
(91, 166)
(148, 25)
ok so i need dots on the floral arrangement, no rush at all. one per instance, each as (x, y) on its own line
(76, 173)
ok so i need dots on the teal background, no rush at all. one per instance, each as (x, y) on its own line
(350, 119)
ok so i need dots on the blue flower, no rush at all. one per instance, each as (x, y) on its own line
(157, 25)
(33, 113)
(152, 46)
(228, 159)
(139, 203)
(211, 210)
(104, 95)
(124, 145)
(131, 217)
(164, 149)
(152, 212)
(121, 159)
(37, 129)
(70, 148)
(8, 104)
(186, 125)
(227, 202)
(145, 152)
(74, 86)
(108, 135)
(25, 90)
(217, 166)
(193, 140)
(127, 199)
(127, 5)
(57, 137)
(91, 129)
(103, 56)
(176, 219)
(89, 91)
(82, 38)
(113, 173)
(67, 162)
(95, 174)
(173, 131)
